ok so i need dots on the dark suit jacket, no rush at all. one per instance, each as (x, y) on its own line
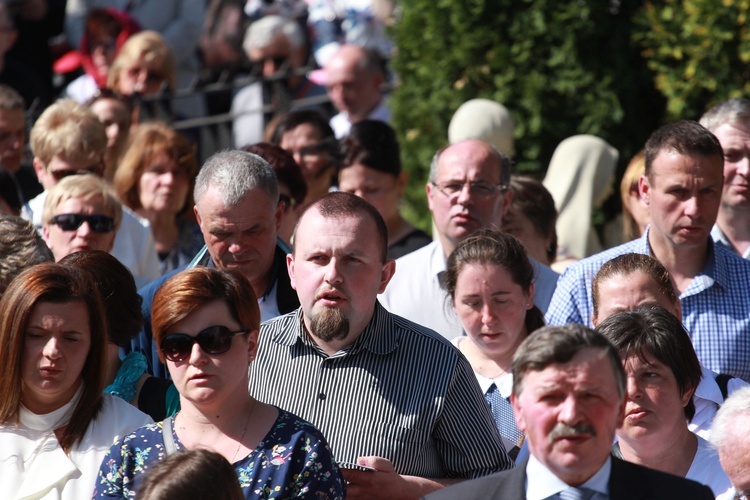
(626, 482)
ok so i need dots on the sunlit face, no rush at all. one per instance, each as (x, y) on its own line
(49, 175)
(289, 216)
(620, 293)
(56, 344)
(460, 215)
(163, 186)
(654, 409)
(380, 189)
(735, 141)
(64, 243)
(242, 236)
(12, 138)
(337, 264)
(492, 308)
(275, 57)
(683, 196)
(103, 52)
(352, 90)
(734, 456)
(582, 394)
(314, 163)
(210, 379)
(115, 117)
(515, 223)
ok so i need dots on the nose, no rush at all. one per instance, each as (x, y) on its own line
(743, 166)
(691, 206)
(51, 349)
(197, 355)
(464, 195)
(297, 157)
(84, 229)
(488, 315)
(633, 389)
(570, 411)
(333, 274)
(167, 177)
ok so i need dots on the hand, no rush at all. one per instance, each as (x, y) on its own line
(383, 482)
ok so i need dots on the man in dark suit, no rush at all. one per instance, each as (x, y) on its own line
(569, 398)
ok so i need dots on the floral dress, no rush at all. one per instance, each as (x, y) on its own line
(292, 461)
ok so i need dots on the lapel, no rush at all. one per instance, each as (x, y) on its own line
(623, 484)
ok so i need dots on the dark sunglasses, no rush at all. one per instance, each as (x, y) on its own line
(71, 222)
(213, 340)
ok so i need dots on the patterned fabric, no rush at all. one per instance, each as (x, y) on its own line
(125, 384)
(715, 306)
(502, 411)
(400, 391)
(577, 494)
(292, 461)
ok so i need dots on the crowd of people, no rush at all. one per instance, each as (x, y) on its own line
(267, 324)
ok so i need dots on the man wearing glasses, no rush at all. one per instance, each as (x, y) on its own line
(67, 140)
(466, 191)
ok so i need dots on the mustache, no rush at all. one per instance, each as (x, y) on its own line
(562, 430)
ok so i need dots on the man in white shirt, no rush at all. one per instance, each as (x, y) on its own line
(730, 123)
(467, 190)
(569, 398)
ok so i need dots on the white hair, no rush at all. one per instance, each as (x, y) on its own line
(264, 31)
(732, 419)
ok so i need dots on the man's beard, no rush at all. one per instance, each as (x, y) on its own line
(329, 324)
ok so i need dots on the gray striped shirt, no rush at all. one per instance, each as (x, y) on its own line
(400, 391)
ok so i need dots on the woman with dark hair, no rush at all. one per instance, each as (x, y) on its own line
(371, 169)
(489, 281)
(206, 323)
(55, 421)
(292, 187)
(310, 140)
(155, 179)
(126, 378)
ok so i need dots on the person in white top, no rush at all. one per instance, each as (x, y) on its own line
(633, 280)
(68, 139)
(662, 373)
(55, 422)
(489, 281)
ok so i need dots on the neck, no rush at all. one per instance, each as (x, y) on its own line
(683, 263)
(397, 228)
(486, 365)
(735, 224)
(221, 418)
(358, 117)
(674, 456)
(260, 284)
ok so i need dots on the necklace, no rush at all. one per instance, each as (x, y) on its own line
(247, 422)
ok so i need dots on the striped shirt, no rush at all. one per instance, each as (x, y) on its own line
(715, 306)
(400, 391)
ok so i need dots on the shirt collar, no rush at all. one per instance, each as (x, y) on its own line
(545, 483)
(378, 336)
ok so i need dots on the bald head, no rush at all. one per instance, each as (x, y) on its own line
(353, 77)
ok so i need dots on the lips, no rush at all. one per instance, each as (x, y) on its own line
(635, 413)
(199, 377)
(49, 371)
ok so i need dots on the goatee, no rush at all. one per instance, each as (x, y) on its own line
(329, 324)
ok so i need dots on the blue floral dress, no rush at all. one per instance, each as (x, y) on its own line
(292, 461)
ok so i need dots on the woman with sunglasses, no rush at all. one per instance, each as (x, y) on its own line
(81, 212)
(55, 422)
(155, 179)
(206, 323)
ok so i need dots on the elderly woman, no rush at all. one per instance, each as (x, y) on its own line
(206, 323)
(55, 421)
(155, 179)
(371, 169)
(80, 213)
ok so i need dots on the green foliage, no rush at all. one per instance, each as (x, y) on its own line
(698, 51)
(563, 67)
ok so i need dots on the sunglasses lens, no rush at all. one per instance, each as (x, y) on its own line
(68, 222)
(101, 223)
(97, 223)
(177, 347)
(215, 339)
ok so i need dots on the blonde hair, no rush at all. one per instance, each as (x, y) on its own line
(146, 46)
(633, 172)
(83, 187)
(70, 131)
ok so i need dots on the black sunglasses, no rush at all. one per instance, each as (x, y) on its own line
(71, 222)
(213, 340)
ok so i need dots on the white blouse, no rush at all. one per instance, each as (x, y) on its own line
(34, 465)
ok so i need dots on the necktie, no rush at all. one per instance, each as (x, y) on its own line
(502, 412)
(577, 494)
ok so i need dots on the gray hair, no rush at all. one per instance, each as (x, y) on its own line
(503, 160)
(262, 33)
(726, 425)
(728, 112)
(235, 173)
(21, 247)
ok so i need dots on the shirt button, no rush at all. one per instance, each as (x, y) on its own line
(321, 396)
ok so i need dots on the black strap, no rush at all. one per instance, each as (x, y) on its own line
(722, 379)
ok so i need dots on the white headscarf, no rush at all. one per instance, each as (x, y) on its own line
(579, 178)
(485, 120)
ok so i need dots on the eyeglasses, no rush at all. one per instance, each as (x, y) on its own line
(71, 222)
(97, 170)
(479, 189)
(213, 340)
